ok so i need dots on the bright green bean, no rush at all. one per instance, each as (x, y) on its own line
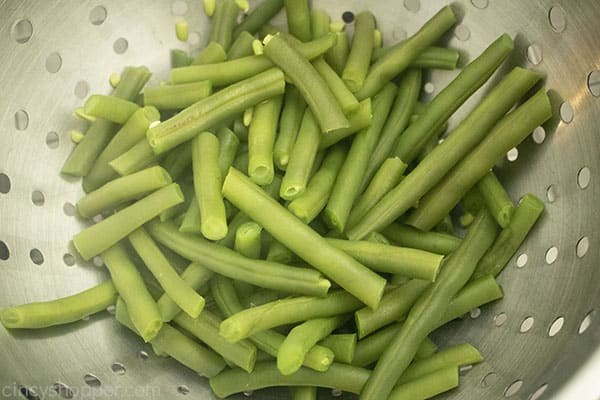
(397, 60)
(176, 97)
(261, 15)
(291, 117)
(339, 89)
(359, 120)
(99, 237)
(476, 293)
(248, 240)
(214, 109)
(212, 53)
(444, 156)
(110, 108)
(319, 23)
(343, 346)
(338, 54)
(377, 238)
(223, 22)
(180, 58)
(432, 57)
(132, 289)
(228, 147)
(298, 18)
(357, 65)
(261, 139)
(135, 159)
(435, 242)
(60, 311)
(192, 223)
(302, 240)
(427, 386)
(496, 199)
(426, 350)
(241, 46)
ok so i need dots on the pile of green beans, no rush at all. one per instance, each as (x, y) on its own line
(297, 184)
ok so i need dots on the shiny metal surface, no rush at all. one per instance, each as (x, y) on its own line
(54, 53)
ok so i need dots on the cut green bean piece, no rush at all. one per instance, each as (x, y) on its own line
(315, 197)
(337, 56)
(455, 147)
(132, 132)
(100, 132)
(427, 349)
(343, 95)
(308, 81)
(291, 117)
(196, 276)
(206, 328)
(386, 178)
(427, 386)
(412, 141)
(432, 57)
(357, 65)
(180, 58)
(135, 159)
(303, 337)
(192, 222)
(304, 393)
(496, 199)
(174, 286)
(473, 201)
(99, 237)
(241, 46)
(380, 257)
(214, 109)
(248, 240)
(445, 225)
(178, 161)
(343, 346)
(360, 119)
(110, 108)
(286, 311)
(430, 308)
(279, 253)
(132, 289)
(211, 54)
(227, 262)
(228, 147)
(435, 242)
(176, 97)
(302, 240)
(409, 89)
(261, 139)
(302, 158)
(529, 210)
(397, 60)
(241, 162)
(207, 185)
(377, 238)
(240, 130)
(346, 188)
(170, 341)
(223, 22)
(60, 311)
(319, 23)
(298, 18)
(260, 16)
(508, 133)
(121, 190)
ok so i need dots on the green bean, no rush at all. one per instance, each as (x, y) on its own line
(432, 57)
(445, 225)
(473, 200)
(192, 222)
(496, 199)
(303, 337)
(319, 23)
(212, 53)
(412, 263)
(357, 66)
(508, 133)
(100, 132)
(314, 199)
(99, 237)
(110, 108)
(240, 130)
(279, 253)
(302, 158)
(377, 238)
(196, 276)
(248, 239)
(302, 240)
(304, 393)
(241, 162)
(451, 97)
(207, 185)
(430, 308)
(131, 288)
(180, 58)
(176, 97)
(206, 328)
(426, 350)
(226, 262)
(261, 15)
(394, 306)
(435, 242)
(529, 210)
(369, 349)
(60, 311)
(427, 386)
(343, 346)
(350, 176)
(174, 286)
(132, 132)
(260, 296)
(261, 139)
(223, 22)
(170, 341)
(397, 60)
(359, 120)
(476, 293)
(454, 148)
(409, 89)
(291, 117)
(268, 29)
(343, 95)
(286, 311)
(338, 54)
(135, 159)
(386, 178)
(298, 18)
(228, 146)
(214, 109)
(121, 190)
(178, 161)
(308, 81)
(241, 46)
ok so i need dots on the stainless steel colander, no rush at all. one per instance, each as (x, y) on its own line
(541, 341)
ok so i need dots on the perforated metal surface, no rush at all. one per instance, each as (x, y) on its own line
(543, 336)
